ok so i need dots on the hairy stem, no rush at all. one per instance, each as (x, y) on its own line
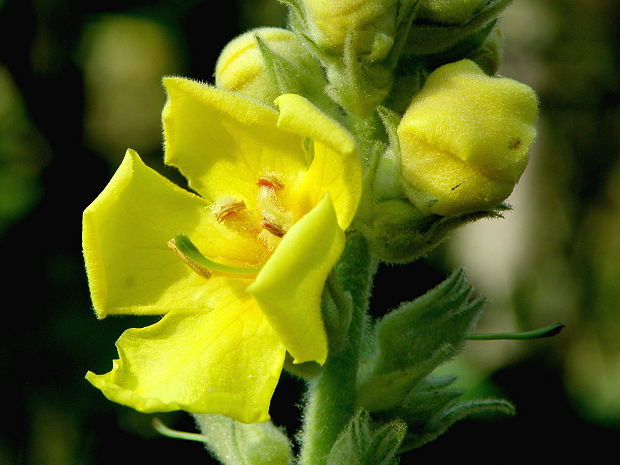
(330, 397)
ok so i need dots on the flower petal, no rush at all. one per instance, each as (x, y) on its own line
(335, 167)
(289, 287)
(300, 116)
(223, 142)
(226, 361)
(125, 234)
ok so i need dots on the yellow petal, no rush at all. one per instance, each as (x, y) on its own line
(226, 361)
(223, 142)
(300, 116)
(335, 167)
(288, 289)
(125, 233)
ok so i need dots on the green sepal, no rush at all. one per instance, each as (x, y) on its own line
(337, 309)
(387, 181)
(235, 443)
(406, 13)
(465, 48)
(281, 70)
(426, 37)
(356, 85)
(412, 70)
(430, 396)
(411, 341)
(291, 79)
(296, 18)
(362, 443)
(432, 407)
(444, 419)
(400, 233)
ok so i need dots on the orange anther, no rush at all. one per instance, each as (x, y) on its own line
(229, 208)
(272, 227)
(271, 181)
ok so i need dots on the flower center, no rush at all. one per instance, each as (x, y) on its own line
(271, 220)
(268, 225)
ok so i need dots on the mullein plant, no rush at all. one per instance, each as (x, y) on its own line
(363, 133)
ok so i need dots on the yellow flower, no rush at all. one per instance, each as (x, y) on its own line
(464, 139)
(276, 191)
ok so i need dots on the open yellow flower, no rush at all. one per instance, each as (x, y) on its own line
(276, 192)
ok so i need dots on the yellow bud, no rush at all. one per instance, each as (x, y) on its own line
(464, 139)
(241, 67)
(372, 21)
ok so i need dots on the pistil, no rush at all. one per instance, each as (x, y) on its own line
(204, 267)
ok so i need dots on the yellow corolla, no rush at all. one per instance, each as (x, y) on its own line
(238, 270)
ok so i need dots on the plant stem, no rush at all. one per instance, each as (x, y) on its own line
(330, 400)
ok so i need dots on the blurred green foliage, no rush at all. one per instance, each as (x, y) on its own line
(80, 82)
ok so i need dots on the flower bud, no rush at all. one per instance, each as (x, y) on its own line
(449, 11)
(443, 24)
(372, 21)
(464, 140)
(241, 66)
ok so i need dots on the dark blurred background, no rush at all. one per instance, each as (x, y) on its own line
(80, 82)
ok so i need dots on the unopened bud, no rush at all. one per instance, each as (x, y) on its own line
(372, 22)
(443, 24)
(449, 11)
(464, 140)
(242, 67)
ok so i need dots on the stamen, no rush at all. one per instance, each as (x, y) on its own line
(272, 227)
(224, 209)
(269, 180)
(190, 255)
(268, 240)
